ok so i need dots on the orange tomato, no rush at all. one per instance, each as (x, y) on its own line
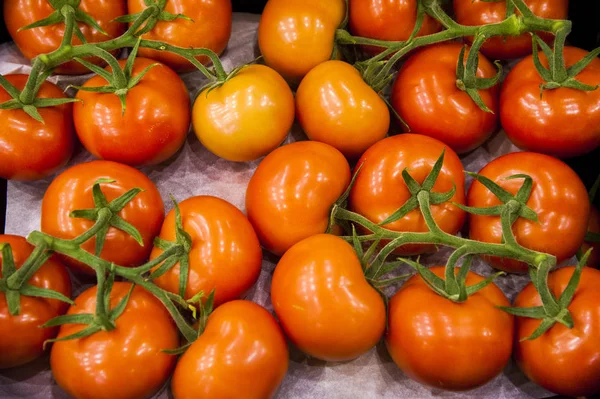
(294, 36)
(448, 345)
(242, 353)
(323, 302)
(210, 28)
(334, 105)
(291, 193)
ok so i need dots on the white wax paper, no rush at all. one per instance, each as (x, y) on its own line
(195, 171)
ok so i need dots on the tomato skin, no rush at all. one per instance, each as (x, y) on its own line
(320, 294)
(478, 12)
(247, 117)
(225, 256)
(290, 195)
(22, 338)
(564, 122)
(562, 360)
(126, 362)
(31, 150)
(378, 19)
(241, 354)
(155, 123)
(558, 196)
(594, 227)
(210, 28)
(335, 106)
(426, 97)
(45, 39)
(294, 36)
(379, 190)
(72, 190)
(448, 345)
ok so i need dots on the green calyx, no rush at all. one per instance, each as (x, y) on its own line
(158, 13)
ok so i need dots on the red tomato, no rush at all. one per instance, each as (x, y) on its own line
(210, 28)
(72, 190)
(563, 122)
(291, 193)
(31, 150)
(426, 97)
(379, 19)
(294, 36)
(558, 196)
(334, 105)
(323, 302)
(379, 190)
(127, 362)
(45, 39)
(480, 12)
(22, 338)
(225, 254)
(594, 227)
(242, 353)
(153, 127)
(448, 345)
(565, 361)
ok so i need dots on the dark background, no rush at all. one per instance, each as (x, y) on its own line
(586, 34)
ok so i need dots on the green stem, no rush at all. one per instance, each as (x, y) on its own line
(38, 257)
(103, 220)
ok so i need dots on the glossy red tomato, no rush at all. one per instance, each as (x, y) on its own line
(127, 362)
(480, 12)
(323, 302)
(153, 127)
(291, 193)
(563, 122)
(379, 190)
(22, 338)
(562, 360)
(380, 19)
(209, 28)
(31, 150)
(45, 39)
(334, 105)
(558, 196)
(448, 345)
(594, 227)
(72, 190)
(242, 353)
(225, 255)
(294, 36)
(426, 97)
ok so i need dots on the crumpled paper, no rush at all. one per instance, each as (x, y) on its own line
(195, 171)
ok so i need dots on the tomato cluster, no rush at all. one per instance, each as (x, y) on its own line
(314, 203)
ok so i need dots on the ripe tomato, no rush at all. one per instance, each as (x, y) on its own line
(72, 190)
(247, 117)
(31, 150)
(594, 227)
(127, 362)
(242, 353)
(377, 19)
(480, 12)
(563, 122)
(323, 302)
(290, 195)
(225, 255)
(565, 361)
(334, 105)
(558, 196)
(210, 28)
(426, 97)
(153, 127)
(45, 39)
(448, 345)
(294, 36)
(379, 190)
(22, 338)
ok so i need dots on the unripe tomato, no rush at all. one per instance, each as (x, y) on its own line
(323, 302)
(334, 105)
(247, 117)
